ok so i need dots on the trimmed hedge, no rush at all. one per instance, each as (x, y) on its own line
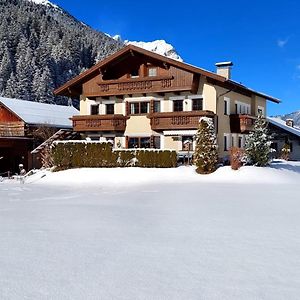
(84, 154)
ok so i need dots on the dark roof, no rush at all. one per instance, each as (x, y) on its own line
(64, 89)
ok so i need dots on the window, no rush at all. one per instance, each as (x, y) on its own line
(260, 110)
(242, 108)
(178, 105)
(156, 142)
(133, 143)
(139, 142)
(137, 108)
(274, 146)
(145, 107)
(145, 142)
(226, 142)
(110, 109)
(240, 142)
(197, 104)
(152, 71)
(156, 106)
(187, 143)
(134, 73)
(225, 107)
(95, 109)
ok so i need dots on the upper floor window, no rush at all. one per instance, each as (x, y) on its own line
(134, 73)
(260, 110)
(197, 104)
(138, 108)
(156, 106)
(242, 108)
(110, 109)
(95, 109)
(226, 106)
(177, 105)
(152, 71)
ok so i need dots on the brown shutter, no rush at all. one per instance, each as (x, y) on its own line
(151, 106)
(126, 142)
(152, 141)
(127, 108)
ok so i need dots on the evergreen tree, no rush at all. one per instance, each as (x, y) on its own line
(5, 69)
(258, 143)
(206, 152)
(46, 38)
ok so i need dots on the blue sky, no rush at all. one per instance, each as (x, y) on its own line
(262, 38)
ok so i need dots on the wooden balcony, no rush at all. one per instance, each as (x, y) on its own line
(241, 123)
(138, 85)
(178, 119)
(99, 123)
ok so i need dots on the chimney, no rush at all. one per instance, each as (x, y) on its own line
(224, 69)
(289, 122)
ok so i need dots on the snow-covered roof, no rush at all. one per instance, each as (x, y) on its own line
(41, 113)
(282, 124)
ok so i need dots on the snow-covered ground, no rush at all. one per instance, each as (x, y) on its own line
(152, 234)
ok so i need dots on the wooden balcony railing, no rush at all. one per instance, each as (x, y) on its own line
(99, 123)
(178, 119)
(241, 123)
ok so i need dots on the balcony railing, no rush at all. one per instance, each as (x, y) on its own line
(241, 123)
(99, 123)
(178, 119)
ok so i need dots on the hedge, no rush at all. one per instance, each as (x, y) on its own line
(86, 154)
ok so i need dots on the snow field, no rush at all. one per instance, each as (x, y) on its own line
(152, 234)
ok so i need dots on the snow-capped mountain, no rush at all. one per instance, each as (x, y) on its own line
(45, 2)
(294, 115)
(159, 46)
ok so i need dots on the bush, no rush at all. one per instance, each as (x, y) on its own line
(236, 157)
(97, 155)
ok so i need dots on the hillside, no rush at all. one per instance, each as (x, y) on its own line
(42, 46)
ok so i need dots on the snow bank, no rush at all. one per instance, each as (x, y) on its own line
(279, 172)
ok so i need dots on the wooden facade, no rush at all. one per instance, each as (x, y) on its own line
(177, 120)
(99, 123)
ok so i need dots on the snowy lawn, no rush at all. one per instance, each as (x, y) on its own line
(152, 234)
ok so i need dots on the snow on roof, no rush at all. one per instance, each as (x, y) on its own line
(282, 124)
(41, 113)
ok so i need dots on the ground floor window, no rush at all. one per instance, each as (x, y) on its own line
(144, 142)
(139, 142)
(187, 143)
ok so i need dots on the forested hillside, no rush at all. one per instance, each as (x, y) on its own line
(42, 46)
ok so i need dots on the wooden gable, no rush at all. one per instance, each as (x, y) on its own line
(10, 123)
(130, 74)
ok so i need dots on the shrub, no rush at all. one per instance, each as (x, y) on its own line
(236, 157)
(80, 154)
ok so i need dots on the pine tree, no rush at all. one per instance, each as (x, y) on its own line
(206, 152)
(258, 143)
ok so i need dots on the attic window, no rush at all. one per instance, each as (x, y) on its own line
(152, 71)
(134, 73)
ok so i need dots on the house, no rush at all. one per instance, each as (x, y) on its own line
(285, 133)
(138, 98)
(19, 123)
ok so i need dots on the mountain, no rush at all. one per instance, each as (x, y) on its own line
(42, 46)
(159, 46)
(294, 115)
